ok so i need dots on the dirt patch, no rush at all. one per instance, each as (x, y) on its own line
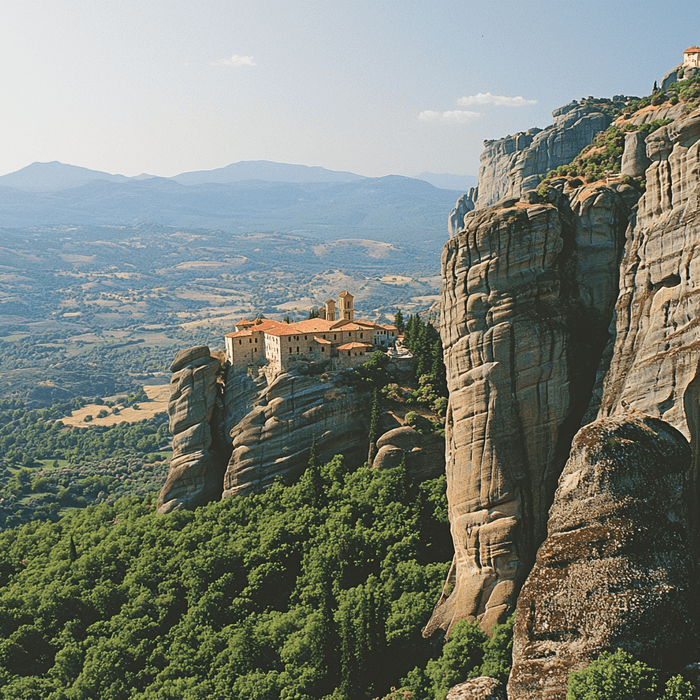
(157, 403)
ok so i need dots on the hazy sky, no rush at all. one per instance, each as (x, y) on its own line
(371, 86)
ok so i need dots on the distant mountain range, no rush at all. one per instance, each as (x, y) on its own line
(242, 197)
(59, 176)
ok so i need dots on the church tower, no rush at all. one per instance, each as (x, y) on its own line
(346, 306)
(330, 310)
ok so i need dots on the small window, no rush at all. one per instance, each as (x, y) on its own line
(306, 338)
(297, 349)
(334, 335)
(239, 341)
(290, 349)
(256, 340)
(250, 340)
(360, 335)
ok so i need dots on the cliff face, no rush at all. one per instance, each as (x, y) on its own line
(655, 366)
(528, 292)
(237, 437)
(274, 437)
(615, 570)
(199, 449)
(512, 165)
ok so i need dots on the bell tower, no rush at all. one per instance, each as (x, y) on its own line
(346, 306)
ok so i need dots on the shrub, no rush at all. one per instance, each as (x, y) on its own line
(613, 677)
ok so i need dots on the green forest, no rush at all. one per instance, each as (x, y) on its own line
(316, 590)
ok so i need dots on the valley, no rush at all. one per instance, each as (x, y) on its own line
(97, 310)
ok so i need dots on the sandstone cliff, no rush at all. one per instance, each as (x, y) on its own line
(655, 365)
(528, 293)
(199, 449)
(238, 436)
(274, 438)
(616, 569)
(512, 165)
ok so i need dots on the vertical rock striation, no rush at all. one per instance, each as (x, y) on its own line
(273, 438)
(616, 569)
(528, 291)
(655, 366)
(195, 411)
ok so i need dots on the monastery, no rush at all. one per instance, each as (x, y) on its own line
(691, 57)
(343, 342)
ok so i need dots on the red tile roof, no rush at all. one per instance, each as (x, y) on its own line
(311, 325)
(692, 49)
(239, 334)
(352, 346)
(346, 294)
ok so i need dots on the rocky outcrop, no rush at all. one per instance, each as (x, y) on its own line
(616, 569)
(634, 157)
(482, 688)
(274, 437)
(655, 366)
(199, 452)
(465, 204)
(512, 165)
(528, 292)
(423, 455)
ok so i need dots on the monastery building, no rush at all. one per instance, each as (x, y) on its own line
(343, 342)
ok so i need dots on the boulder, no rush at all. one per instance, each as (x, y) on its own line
(424, 455)
(482, 688)
(616, 569)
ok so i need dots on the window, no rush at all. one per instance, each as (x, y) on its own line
(297, 349)
(256, 340)
(334, 335)
(239, 341)
(290, 349)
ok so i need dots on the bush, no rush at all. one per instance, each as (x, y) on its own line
(619, 677)
(613, 677)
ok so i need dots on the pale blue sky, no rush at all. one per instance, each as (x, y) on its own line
(166, 86)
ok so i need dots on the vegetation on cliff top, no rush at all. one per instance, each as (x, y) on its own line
(603, 156)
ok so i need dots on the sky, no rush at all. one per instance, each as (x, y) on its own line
(375, 87)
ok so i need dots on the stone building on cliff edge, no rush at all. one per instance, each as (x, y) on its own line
(343, 342)
(691, 57)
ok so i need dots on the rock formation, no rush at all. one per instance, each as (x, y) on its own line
(424, 455)
(482, 688)
(199, 452)
(512, 165)
(274, 438)
(528, 292)
(465, 204)
(655, 366)
(616, 569)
